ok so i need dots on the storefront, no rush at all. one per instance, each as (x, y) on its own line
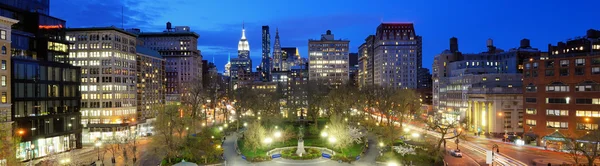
(46, 146)
(91, 135)
(556, 141)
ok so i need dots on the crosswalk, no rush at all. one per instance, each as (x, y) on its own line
(498, 158)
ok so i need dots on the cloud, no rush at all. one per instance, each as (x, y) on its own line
(102, 13)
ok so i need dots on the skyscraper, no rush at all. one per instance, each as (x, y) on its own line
(328, 60)
(397, 55)
(277, 59)
(266, 54)
(242, 65)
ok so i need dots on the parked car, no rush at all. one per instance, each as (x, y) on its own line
(455, 153)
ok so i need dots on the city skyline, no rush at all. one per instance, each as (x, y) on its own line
(434, 21)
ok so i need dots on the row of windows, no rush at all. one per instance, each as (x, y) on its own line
(564, 125)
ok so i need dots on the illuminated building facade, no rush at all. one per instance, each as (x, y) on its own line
(179, 47)
(6, 123)
(397, 55)
(45, 96)
(107, 57)
(562, 90)
(151, 83)
(328, 60)
(485, 88)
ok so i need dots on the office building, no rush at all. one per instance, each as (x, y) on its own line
(353, 70)
(266, 54)
(328, 60)
(397, 55)
(483, 88)
(241, 67)
(425, 86)
(365, 62)
(6, 123)
(46, 122)
(277, 54)
(107, 57)
(562, 90)
(179, 47)
(151, 87)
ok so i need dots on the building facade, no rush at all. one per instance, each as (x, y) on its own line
(241, 67)
(397, 55)
(483, 88)
(365, 62)
(266, 54)
(179, 47)
(277, 54)
(6, 123)
(151, 84)
(562, 89)
(328, 60)
(45, 96)
(107, 57)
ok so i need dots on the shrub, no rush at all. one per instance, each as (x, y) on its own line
(311, 153)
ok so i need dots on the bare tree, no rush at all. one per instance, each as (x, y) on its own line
(197, 96)
(167, 125)
(587, 146)
(444, 128)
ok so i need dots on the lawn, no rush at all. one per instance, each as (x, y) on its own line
(310, 139)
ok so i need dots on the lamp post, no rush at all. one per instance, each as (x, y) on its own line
(32, 154)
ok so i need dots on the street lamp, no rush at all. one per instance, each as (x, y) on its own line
(332, 139)
(277, 134)
(324, 134)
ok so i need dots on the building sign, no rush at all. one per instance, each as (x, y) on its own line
(51, 26)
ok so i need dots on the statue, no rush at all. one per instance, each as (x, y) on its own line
(300, 150)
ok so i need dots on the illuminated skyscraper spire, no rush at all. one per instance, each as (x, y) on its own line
(277, 52)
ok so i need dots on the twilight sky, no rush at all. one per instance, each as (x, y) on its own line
(219, 22)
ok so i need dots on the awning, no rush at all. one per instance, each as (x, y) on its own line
(555, 136)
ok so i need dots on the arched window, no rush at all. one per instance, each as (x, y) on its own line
(3, 50)
(587, 86)
(557, 87)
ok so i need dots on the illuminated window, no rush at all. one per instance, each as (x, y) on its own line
(484, 79)
(4, 97)
(3, 81)
(531, 111)
(531, 122)
(3, 65)
(555, 124)
(552, 112)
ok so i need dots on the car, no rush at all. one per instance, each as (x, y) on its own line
(455, 153)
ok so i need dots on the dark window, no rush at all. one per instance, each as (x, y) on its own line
(595, 61)
(530, 100)
(583, 101)
(579, 71)
(564, 72)
(550, 72)
(549, 64)
(3, 50)
(534, 73)
(527, 74)
(557, 100)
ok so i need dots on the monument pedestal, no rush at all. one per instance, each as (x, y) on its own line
(300, 150)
